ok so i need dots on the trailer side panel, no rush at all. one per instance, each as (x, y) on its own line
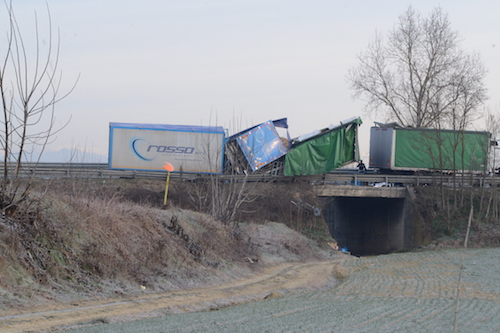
(192, 149)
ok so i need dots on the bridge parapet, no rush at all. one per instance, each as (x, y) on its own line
(360, 191)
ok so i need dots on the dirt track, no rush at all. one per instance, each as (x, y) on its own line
(272, 282)
(401, 292)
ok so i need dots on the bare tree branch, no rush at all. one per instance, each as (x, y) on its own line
(419, 76)
(30, 84)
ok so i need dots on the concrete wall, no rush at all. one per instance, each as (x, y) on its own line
(370, 225)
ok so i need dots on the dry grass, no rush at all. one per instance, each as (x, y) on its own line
(289, 203)
(94, 238)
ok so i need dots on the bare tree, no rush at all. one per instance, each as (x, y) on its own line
(29, 88)
(492, 120)
(228, 191)
(420, 77)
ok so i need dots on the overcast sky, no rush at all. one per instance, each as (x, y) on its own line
(226, 62)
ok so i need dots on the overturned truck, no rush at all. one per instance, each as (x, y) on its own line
(261, 149)
(258, 148)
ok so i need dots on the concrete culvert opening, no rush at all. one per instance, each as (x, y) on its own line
(368, 226)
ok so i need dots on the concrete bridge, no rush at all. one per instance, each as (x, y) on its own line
(376, 219)
(371, 220)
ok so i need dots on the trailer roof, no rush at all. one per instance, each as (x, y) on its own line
(277, 123)
(167, 127)
(317, 133)
(396, 126)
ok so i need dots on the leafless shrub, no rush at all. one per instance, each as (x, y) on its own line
(293, 204)
(445, 224)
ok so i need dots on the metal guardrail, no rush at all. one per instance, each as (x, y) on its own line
(448, 180)
(100, 170)
(79, 170)
(341, 177)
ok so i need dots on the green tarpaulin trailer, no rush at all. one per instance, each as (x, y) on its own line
(412, 149)
(329, 149)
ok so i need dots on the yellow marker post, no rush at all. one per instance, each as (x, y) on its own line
(169, 167)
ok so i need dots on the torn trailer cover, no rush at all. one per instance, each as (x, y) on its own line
(331, 148)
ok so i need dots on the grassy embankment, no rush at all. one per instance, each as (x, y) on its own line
(81, 239)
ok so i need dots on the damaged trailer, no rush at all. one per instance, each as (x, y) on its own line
(324, 150)
(255, 148)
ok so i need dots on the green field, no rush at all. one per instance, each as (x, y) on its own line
(406, 292)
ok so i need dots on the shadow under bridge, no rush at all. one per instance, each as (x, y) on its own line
(371, 220)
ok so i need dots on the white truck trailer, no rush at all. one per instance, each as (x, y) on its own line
(147, 147)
